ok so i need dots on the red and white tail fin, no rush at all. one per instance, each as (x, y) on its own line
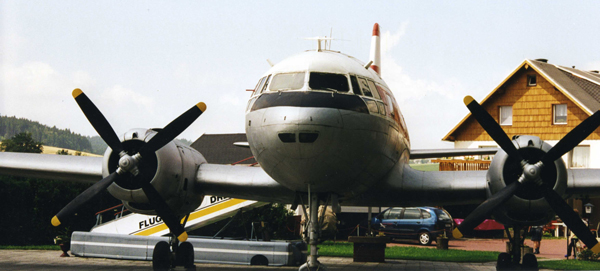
(375, 50)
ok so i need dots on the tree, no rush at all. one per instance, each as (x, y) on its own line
(62, 152)
(22, 142)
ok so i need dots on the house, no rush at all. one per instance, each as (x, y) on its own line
(545, 100)
(540, 99)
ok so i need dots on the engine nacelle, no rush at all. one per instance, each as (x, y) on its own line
(172, 171)
(527, 207)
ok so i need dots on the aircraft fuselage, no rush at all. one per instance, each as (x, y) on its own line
(321, 118)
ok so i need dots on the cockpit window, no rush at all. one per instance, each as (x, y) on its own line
(355, 86)
(287, 81)
(364, 87)
(328, 81)
(374, 90)
(264, 84)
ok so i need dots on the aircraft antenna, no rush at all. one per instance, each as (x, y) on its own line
(330, 35)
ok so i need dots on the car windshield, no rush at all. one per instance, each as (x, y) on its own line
(328, 81)
(287, 81)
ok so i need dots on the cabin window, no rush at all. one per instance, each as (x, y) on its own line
(506, 115)
(355, 86)
(560, 114)
(373, 89)
(364, 87)
(328, 81)
(580, 157)
(287, 81)
(531, 80)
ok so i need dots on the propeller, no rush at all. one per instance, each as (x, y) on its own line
(128, 164)
(531, 174)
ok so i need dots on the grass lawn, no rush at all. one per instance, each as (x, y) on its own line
(44, 247)
(426, 167)
(569, 265)
(345, 249)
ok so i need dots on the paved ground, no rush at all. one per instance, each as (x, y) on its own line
(49, 260)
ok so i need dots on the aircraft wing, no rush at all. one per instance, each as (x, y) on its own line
(435, 153)
(52, 166)
(405, 186)
(244, 182)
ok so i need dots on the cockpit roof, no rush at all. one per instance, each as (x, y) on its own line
(324, 61)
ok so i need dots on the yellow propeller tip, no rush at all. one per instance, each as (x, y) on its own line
(182, 237)
(596, 248)
(55, 221)
(457, 234)
(201, 106)
(468, 100)
(77, 92)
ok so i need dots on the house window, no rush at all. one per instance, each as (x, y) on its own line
(560, 114)
(506, 115)
(580, 157)
(531, 80)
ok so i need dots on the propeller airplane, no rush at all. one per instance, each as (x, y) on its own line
(325, 129)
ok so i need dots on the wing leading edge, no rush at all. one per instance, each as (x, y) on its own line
(51, 166)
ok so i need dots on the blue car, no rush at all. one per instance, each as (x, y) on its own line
(422, 223)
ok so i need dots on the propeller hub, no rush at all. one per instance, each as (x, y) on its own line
(129, 163)
(531, 173)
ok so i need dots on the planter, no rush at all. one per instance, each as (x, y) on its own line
(441, 242)
(65, 247)
(369, 249)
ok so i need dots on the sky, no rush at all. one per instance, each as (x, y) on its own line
(143, 63)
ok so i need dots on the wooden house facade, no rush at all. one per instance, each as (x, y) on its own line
(543, 100)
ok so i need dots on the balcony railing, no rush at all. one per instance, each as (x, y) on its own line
(462, 165)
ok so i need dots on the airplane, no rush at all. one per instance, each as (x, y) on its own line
(326, 130)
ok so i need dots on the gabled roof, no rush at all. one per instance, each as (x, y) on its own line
(581, 87)
(219, 148)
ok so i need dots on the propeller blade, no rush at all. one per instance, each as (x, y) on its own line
(83, 198)
(571, 218)
(485, 209)
(173, 129)
(490, 125)
(163, 210)
(573, 138)
(98, 121)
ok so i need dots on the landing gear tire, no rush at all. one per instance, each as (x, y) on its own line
(503, 262)
(424, 238)
(185, 255)
(529, 262)
(161, 257)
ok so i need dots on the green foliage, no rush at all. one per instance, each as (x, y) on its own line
(345, 249)
(29, 204)
(98, 145)
(51, 136)
(21, 142)
(62, 152)
(277, 216)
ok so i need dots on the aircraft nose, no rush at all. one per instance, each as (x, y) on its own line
(296, 132)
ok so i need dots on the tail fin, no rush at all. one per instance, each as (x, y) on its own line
(375, 50)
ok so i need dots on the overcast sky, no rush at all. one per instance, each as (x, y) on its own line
(145, 62)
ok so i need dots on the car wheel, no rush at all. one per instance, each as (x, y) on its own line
(424, 238)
